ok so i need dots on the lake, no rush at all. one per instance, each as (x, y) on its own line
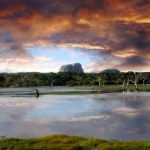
(121, 116)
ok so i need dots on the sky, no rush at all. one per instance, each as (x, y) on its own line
(43, 35)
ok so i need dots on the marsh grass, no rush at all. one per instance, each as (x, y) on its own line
(115, 88)
(100, 89)
(64, 142)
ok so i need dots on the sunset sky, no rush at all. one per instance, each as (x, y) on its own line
(42, 35)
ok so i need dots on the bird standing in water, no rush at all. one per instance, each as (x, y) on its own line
(37, 92)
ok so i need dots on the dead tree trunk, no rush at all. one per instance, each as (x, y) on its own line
(135, 80)
(123, 84)
(144, 79)
(99, 81)
(143, 82)
(128, 83)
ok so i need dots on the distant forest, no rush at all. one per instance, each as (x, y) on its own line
(72, 79)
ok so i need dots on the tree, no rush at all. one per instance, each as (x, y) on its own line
(134, 78)
(2, 80)
(144, 76)
(99, 79)
(122, 77)
(51, 78)
(91, 79)
(105, 78)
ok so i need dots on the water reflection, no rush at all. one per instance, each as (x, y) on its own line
(109, 116)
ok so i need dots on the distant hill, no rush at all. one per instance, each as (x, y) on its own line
(77, 68)
(111, 71)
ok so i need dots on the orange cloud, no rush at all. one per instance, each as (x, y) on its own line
(116, 28)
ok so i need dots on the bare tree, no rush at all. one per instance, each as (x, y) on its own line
(123, 79)
(123, 82)
(99, 80)
(134, 79)
(144, 76)
(127, 82)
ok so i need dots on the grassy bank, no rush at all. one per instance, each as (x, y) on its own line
(63, 142)
(115, 88)
(120, 88)
(100, 89)
(80, 90)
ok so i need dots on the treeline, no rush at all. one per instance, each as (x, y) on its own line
(72, 79)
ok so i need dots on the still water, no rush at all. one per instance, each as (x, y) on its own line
(123, 116)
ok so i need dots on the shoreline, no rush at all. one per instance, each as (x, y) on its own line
(76, 90)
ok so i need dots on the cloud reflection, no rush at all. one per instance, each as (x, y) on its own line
(93, 115)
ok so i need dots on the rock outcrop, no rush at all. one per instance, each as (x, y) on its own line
(77, 68)
(111, 71)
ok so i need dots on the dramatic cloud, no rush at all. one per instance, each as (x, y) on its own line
(28, 64)
(113, 29)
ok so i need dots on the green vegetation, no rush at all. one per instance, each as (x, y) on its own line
(125, 80)
(100, 89)
(113, 88)
(64, 142)
(73, 92)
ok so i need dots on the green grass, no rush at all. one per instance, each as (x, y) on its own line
(64, 142)
(144, 87)
(114, 88)
(74, 92)
(99, 89)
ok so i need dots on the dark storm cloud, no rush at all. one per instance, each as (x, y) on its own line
(142, 3)
(78, 34)
(50, 7)
(136, 36)
(6, 37)
(10, 46)
(116, 28)
(13, 50)
(135, 61)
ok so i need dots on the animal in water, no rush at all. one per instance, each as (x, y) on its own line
(37, 92)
